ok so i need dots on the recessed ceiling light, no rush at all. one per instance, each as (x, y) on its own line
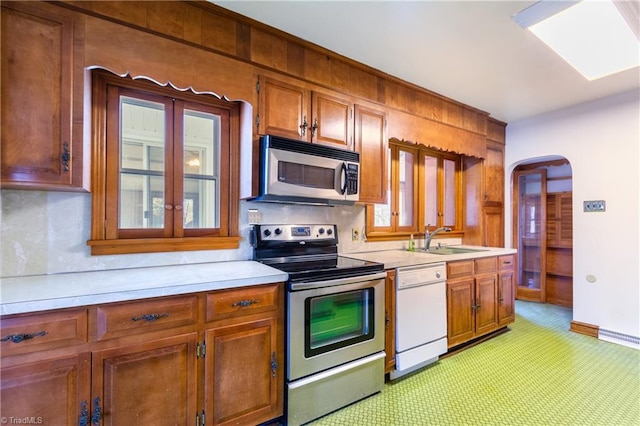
(591, 35)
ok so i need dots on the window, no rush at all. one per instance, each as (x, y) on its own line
(440, 190)
(400, 212)
(165, 169)
(424, 190)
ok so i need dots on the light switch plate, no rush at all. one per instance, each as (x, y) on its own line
(594, 206)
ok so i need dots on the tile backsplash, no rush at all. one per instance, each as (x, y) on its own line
(46, 233)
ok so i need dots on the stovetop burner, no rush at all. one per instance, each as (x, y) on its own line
(307, 252)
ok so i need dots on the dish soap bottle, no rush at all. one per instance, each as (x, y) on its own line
(412, 243)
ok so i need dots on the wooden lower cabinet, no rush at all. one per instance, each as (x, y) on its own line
(243, 373)
(225, 371)
(52, 391)
(506, 290)
(480, 297)
(153, 382)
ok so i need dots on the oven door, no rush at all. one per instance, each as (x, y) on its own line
(334, 322)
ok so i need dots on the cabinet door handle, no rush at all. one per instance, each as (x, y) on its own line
(84, 414)
(66, 156)
(274, 364)
(244, 303)
(17, 338)
(314, 127)
(303, 126)
(95, 417)
(150, 317)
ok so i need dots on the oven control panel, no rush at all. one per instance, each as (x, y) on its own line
(297, 233)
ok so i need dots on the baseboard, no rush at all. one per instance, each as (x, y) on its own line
(619, 338)
(583, 328)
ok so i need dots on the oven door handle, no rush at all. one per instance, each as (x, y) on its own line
(339, 281)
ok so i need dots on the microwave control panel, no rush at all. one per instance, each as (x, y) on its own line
(352, 179)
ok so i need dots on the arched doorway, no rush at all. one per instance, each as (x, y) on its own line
(543, 230)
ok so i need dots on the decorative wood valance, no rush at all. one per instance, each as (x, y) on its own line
(434, 134)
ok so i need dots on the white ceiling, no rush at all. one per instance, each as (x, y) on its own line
(470, 51)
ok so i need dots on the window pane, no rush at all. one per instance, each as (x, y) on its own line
(142, 150)
(449, 193)
(199, 206)
(141, 201)
(405, 196)
(430, 191)
(201, 169)
(382, 212)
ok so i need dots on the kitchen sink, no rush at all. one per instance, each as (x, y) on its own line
(453, 250)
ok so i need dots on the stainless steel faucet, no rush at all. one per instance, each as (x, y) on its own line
(428, 236)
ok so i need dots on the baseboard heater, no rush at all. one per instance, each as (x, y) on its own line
(620, 338)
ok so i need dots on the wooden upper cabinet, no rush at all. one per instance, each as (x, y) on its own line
(494, 174)
(282, 109)
(39, 149)
(371, 143)
(293, 111)
(494, 164)
(332, 121)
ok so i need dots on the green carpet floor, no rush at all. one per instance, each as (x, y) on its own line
(538, 373)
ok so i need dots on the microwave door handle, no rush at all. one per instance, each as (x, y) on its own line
(344, 179)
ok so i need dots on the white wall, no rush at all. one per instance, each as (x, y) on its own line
(601, 140)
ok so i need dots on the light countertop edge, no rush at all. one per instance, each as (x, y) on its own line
(57, 291)
(400, 258)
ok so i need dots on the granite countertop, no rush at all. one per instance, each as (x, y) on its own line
(55, 291)
(399, 257)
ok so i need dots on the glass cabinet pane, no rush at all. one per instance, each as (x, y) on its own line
(530, 231)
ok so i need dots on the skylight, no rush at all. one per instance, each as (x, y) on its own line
(591, 35)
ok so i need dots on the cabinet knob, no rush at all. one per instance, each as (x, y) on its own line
(303, 126)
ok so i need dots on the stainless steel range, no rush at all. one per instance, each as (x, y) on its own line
(335, 319)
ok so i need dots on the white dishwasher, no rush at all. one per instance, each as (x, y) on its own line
(421, 316)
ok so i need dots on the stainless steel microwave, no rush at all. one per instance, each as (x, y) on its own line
(292, 171)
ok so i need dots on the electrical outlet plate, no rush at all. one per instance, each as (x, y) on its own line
(594, 206)
(254, 216)
(355, 234)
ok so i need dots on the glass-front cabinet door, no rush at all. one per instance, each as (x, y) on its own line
(530, 233)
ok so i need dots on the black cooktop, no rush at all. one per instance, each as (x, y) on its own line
(320, 269)
(307, 252)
